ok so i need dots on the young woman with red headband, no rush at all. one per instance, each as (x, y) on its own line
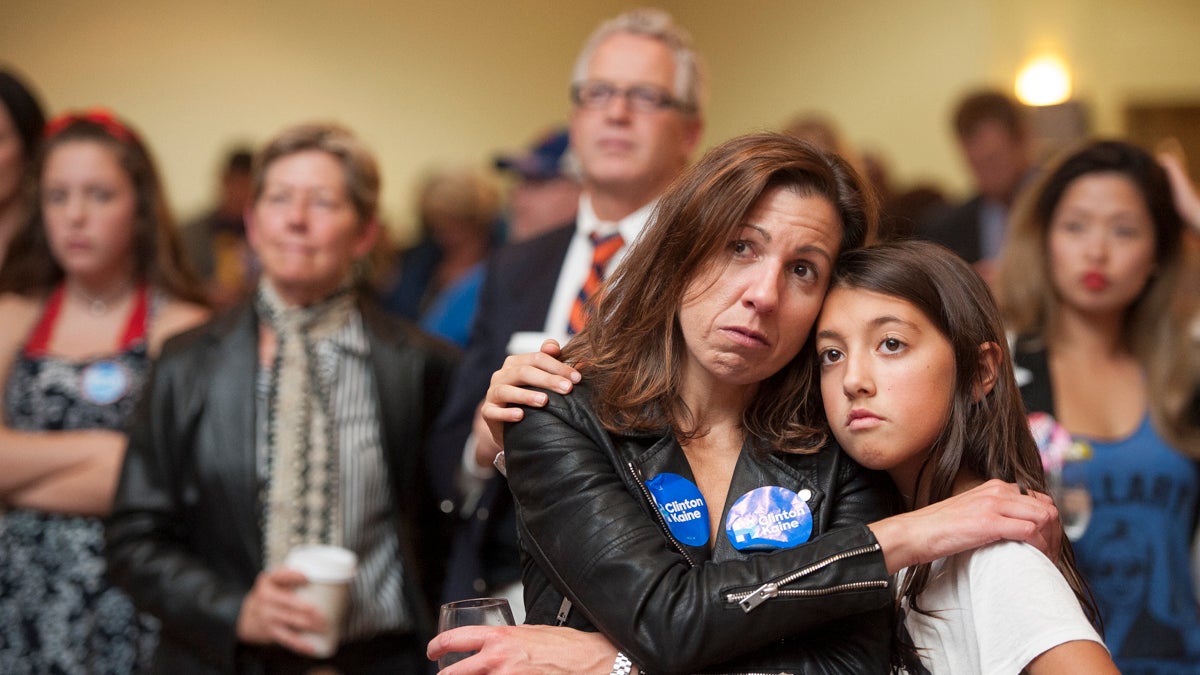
(89, 289)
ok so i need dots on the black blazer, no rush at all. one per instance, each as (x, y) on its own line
(516, 294)
(958, 229)
(184, 539)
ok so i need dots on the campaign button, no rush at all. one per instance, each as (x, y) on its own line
(769, 518)
(104, 382)
(682, 507)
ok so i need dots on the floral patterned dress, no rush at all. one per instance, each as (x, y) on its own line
(58, 613)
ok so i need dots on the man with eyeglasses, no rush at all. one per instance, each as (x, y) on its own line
(636, 90)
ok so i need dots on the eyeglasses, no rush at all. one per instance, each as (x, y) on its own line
(597, 94)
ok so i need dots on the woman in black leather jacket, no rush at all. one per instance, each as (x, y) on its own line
(698, 391)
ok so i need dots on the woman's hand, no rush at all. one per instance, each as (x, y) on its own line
(1187, 200)
(524, 650)
(536, 369)
(986, 513)
(272, 613)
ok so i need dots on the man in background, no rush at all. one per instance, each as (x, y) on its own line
(636, 118)
(215, 243)
(545, 194)
(995, 141)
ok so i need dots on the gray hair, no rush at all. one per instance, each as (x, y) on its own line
(655, 24)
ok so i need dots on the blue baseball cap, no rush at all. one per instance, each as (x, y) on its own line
(543, 161)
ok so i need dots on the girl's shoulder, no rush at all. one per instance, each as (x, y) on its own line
(20, 313)
(174, 316)
(14, 305)
(1009, 561)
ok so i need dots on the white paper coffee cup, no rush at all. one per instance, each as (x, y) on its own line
(524, 342)
(330, 571)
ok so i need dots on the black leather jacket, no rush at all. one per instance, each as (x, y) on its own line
(183, 538)
(590, 531)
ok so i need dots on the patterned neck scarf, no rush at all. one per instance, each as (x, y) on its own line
(302, 496)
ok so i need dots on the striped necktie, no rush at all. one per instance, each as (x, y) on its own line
(604, 247)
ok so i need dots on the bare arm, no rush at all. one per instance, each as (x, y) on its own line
(28, 459)
(1183, 190)
(173, 317)
(85, 489)
(990, 512)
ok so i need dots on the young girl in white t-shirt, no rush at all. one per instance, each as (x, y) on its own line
(917, 380)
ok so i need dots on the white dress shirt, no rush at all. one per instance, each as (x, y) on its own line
(578, 260)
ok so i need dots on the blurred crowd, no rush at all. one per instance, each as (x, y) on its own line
(186, 402)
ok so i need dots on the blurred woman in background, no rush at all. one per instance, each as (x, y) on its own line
(439, 278)
(1090, 284)
(90, 287)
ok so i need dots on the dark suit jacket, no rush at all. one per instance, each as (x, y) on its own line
(516, 294)
(958, 229)
(184, 538)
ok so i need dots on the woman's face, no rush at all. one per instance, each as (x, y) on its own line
(887, 380)
(12, 158)
(88, 205)
(1101, 241)
(749, 311)
(304, 227)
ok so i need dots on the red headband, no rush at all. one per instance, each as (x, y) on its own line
(101, 117)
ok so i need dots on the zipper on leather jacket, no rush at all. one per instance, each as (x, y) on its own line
(748, 600)
(637, 475)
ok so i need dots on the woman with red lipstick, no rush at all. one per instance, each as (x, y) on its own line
(1090, 283)
(89, 289)
(681, 500)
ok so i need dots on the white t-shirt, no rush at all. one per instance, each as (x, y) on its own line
(996, 609)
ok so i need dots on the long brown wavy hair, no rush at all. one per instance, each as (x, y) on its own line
(989, 435)
(632, 349)
(30, 268)
(1157, 326)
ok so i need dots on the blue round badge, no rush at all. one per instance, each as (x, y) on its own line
(104, 382)
(769, 518)
(682, 506)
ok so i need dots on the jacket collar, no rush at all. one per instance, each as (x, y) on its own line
(651, 455)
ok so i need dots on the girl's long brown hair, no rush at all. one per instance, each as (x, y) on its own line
(632, 349)
(989, 435)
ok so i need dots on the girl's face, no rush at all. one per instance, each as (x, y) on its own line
(748, 314)
(1101, 241)
(88, 205)
(887, 380)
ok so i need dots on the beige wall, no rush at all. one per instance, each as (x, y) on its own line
(453, 81)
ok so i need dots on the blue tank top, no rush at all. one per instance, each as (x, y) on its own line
(1135, 554)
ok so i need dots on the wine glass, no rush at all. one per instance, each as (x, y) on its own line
(474, 612)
